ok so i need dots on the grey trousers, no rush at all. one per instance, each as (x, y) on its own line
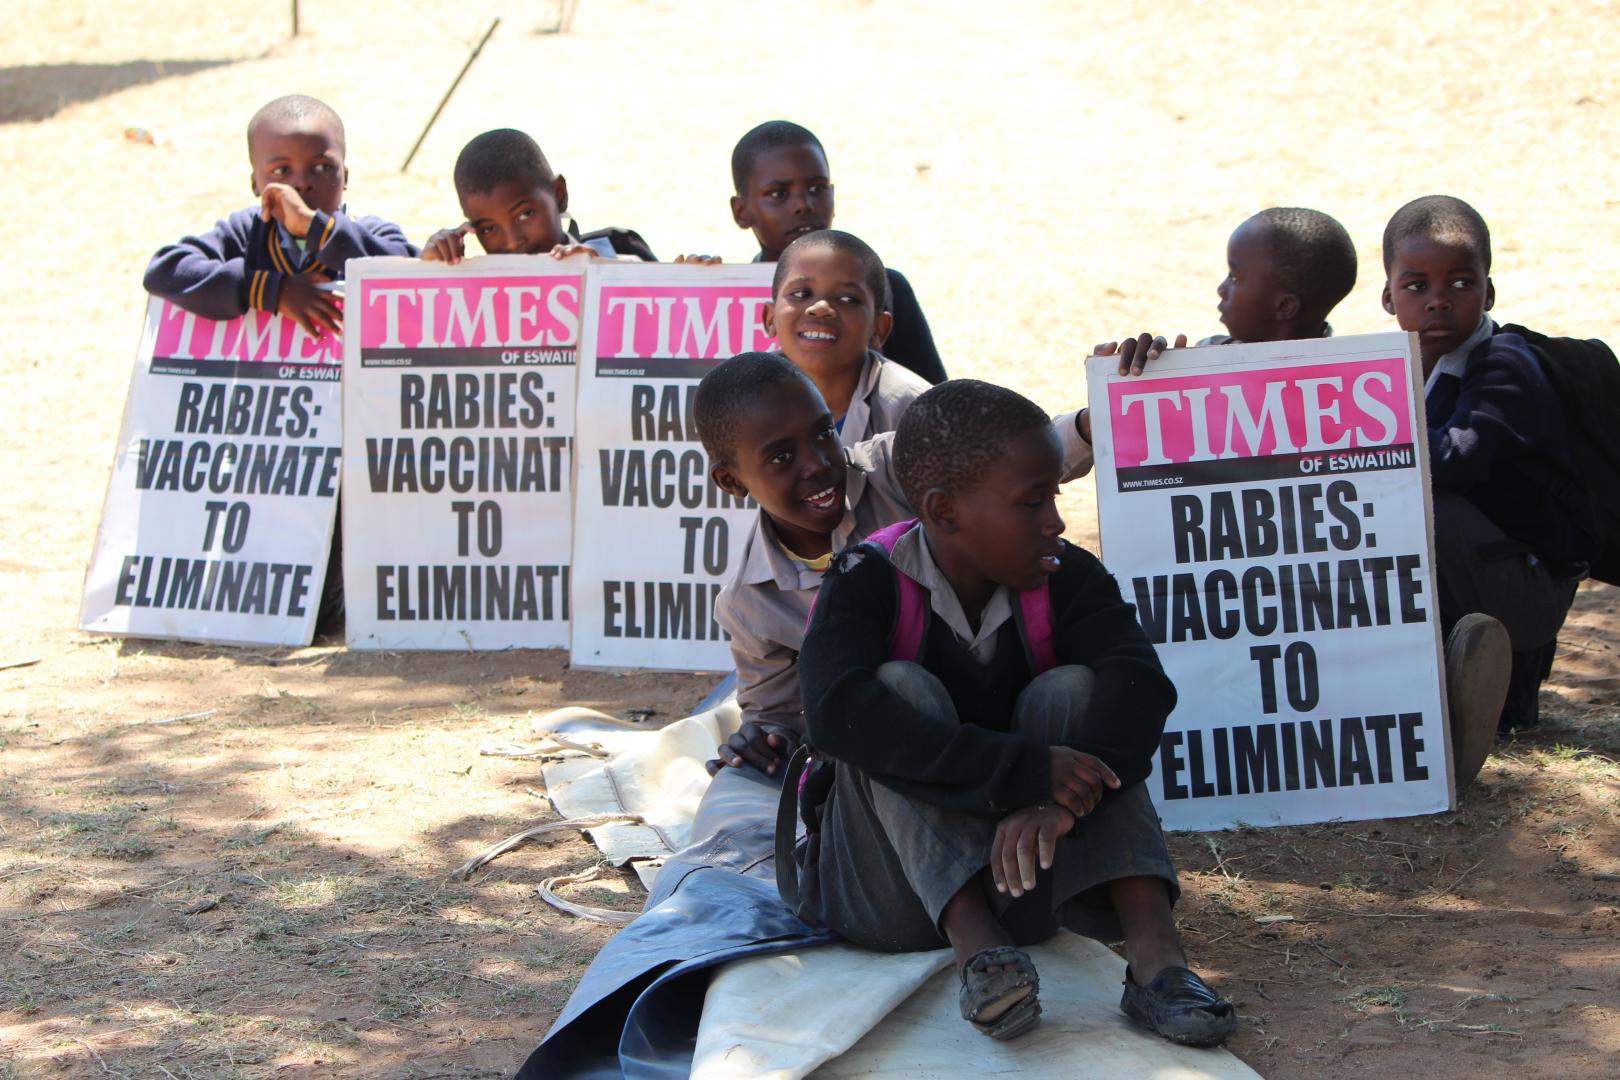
(1481, 569)
(881, 866)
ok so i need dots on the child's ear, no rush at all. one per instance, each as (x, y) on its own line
(882, 326)
(345, 178)
(740, 214)
(939, 510)
(1490, 293)
(253, 180)
(1389, 301)
(728, 481)
(559, 194)
(770, 318)
(1287, 307)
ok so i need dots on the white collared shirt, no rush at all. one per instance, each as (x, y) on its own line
(912, 556)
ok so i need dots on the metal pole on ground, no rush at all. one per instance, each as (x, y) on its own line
(446, 99)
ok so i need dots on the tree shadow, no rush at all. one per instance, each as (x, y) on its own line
(40, 91)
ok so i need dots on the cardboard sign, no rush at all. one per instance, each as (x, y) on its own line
(654, 538)
(1267, 509)
(218, 516)
(459, 386)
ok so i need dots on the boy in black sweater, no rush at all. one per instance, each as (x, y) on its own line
(1505, 545)
(275, 256)
(784, 192)
(963, 795)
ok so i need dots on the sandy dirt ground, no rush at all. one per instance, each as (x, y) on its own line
(261, 890)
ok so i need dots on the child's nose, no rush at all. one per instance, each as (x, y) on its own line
(820, 307)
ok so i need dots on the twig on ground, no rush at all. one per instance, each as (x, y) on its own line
(205, 714)
(517, 840)
(7, 665)
(611, 916)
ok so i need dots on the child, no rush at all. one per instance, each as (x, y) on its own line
(783, 190)
(1505, 545)
(276, 255)
(827, 317)
(1286, 268)
(769, 434)
(962, 795)
(514, 202)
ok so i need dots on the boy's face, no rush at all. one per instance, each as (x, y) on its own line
(786, 454)
(825, 316)
(305, 155)
(787, 195)
(1005, 530)
(513, 218)
(1439, 287)
(1254, 300)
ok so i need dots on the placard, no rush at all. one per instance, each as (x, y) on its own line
(654, 538)
(459, 402)
(1267, 509)
(219, 512)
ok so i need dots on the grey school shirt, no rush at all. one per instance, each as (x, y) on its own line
(884, 393)
(766, 604)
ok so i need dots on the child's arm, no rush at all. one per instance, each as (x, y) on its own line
(767, 691)
(333, 238)
(1505, 408)
(207, 275)
(853, 717)
(911, 342)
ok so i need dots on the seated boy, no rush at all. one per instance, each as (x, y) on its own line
(780, 173)
(276, 255)
(962, 794)
(826, 313)
(769, 434)
(1504, 544)
(1286, 268)
(514, 203)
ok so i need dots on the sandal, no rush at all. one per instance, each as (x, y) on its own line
(1017, 989)
(1181, 1007)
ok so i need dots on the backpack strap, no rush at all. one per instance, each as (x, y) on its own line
(911, 617)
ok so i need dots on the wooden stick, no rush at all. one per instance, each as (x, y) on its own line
(446, 99)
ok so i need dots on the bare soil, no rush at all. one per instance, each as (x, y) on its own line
(260, 888)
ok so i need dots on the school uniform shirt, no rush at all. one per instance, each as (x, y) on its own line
(1495, 430)
(766, 604)
(981, 767)
(241, 263)
(885, 392)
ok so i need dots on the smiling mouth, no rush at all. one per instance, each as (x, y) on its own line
(1050, 563)
(817, 335)
(800, 230)
(825, 499)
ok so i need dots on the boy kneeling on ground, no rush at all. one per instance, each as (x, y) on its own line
(987, 789)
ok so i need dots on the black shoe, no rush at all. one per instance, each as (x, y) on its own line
(1181, 1007)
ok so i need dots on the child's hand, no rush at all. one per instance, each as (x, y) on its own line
(756, 745)
(568, 251)
(1134, 353)
(282, 202)
(1023, 838)
(1078, 780)
(446, 245)
(698, 260)
(311, 307)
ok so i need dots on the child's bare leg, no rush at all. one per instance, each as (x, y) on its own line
(1151, 941)
(971, 927)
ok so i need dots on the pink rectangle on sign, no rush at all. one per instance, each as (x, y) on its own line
(1206, 417)
(257, 337)
(662, 322)
(469, 312)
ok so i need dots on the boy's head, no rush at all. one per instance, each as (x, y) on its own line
(1286, 268)
(510, 196)
(299, 141)
(829, 301)
(769, 434)
(1437, 263)
(980, 464)
(783, 190)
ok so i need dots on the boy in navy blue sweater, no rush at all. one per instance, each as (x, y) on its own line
(276, 256)
(1505, 546)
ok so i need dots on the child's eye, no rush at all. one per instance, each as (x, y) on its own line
(781, 457)
(817, 189)
(827, 433)
(776, 193)
(799, 294)
(1413, 286)
(525, 215)
(1461, 283)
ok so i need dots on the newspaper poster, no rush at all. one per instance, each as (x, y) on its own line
(654, 538)
(459, 406)
(1266, 507)
(219, 512)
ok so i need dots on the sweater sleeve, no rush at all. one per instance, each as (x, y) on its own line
(207, 275)
(767, 674)
(339, 238)
(1505, 408)
(911, 342)
(1132, 697)
(854, 718)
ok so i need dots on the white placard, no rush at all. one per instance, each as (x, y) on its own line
(459, 403)
(219, 511)
(654, 538)
(1266, 507)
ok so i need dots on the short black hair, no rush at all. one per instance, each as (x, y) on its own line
(771, 135)
(1439, 217)
(872, 271)
(498, 156)
(729, 390)
(293, 109)
(1313, 252)
(950, 436)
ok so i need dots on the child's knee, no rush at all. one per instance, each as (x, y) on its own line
(918, 686)
(1062, 692)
